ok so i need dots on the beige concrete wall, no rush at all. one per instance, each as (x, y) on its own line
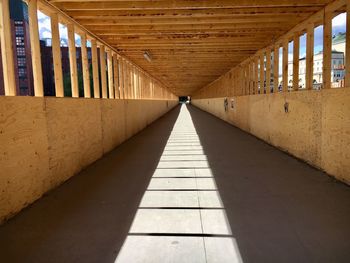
(45, 141)
(316, 128)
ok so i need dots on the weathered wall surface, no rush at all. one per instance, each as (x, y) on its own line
(45, 141)
(316, 128)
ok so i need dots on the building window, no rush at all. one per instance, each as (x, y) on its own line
(19, 41)
(21, 62)
(22, 72)
(19, 30)
(21, 51)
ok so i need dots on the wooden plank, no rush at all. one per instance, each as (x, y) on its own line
(95, 74)
(121, 77)
(296, 46)
(181, 4)
(347, 51)
(285, 65)
(276, 68)
(262, 73)
(268, 70)
(85, 66)
(256, 69)
(73, 61)
(110, 74)
(35, 48)
(103, 71)
(309, 56)
(116, 76)
(7, 49)
(56, 55)
(327, 50)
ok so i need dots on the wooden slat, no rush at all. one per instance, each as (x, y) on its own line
(275, 68)
(309, 56)
(110, 74)
(180, 4)
(85, 64)
(268, 70)
(7, 49)
(262, 72)
(296, 45)
(56, 55)
(121, 77)
(327, 50)
(285, 66)
(103, 71)
(35, 48)
(347, 52)
(73, 61)
(95, 74)
(116, 76)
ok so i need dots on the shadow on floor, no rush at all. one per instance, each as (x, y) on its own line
(88, 218)
(279, 208)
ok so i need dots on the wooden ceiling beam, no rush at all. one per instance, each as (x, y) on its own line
(180, 4)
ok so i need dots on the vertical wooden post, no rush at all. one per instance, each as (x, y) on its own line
(126, 79)
(132, 81)
(276, 56)
(251, 77)
(73, 61)
(103, 71)
(85, 64)
(7, 49)
(256, 69)
(327, 49)
(347, 49)
(309, 57)
(94, 61)
(262, 72)
(35, 48)
(296, 46)
(268, 71)
(116, 76)
(56, 55)
(285, 66)
(121, 78)
(110, 74)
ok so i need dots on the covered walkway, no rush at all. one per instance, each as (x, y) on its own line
(189, 188)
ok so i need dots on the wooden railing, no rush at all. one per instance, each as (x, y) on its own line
(249, 77)
(124, 79)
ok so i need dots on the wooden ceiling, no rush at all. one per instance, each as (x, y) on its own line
(191, 42)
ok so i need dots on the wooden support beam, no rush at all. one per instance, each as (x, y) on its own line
(95, 74)
(121, 78)
(73, 61)
(110, 74)
(296, 46)
(327, 49)
(285, 66)
(347, 50)
(256, 70)
(309, 56)
(56, 55)
(103, 71)
(35, 48)
(276, 54)
(262, 72)
(268, 71)
(116, 76)
(85, 66)
(7, 49)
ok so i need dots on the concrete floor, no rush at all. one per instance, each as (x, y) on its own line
(189, 188)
